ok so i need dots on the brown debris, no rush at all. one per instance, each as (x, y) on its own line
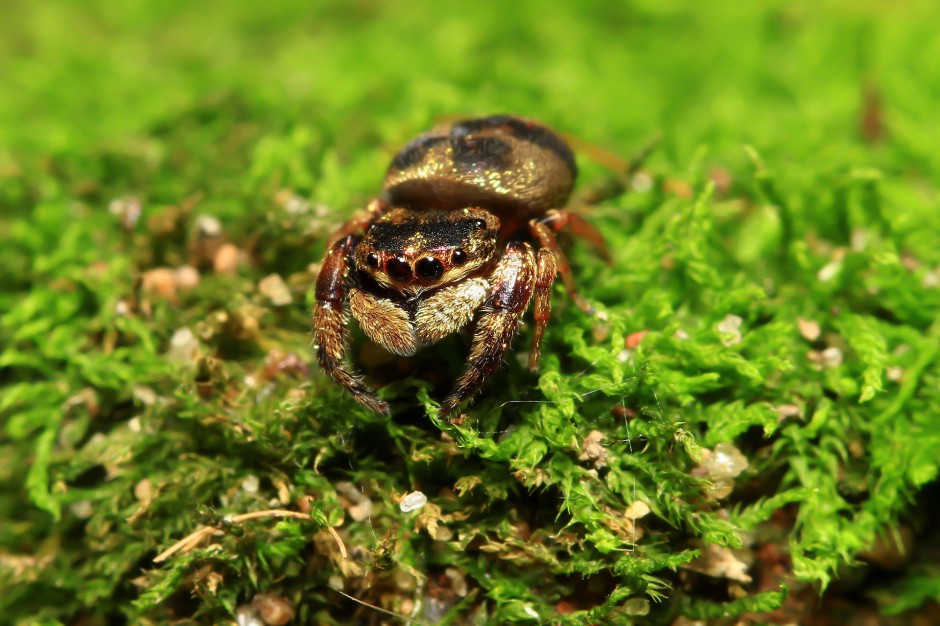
(273, 609)
(808, 328)
(275, 289)
(160, 282)
(720, 562)
(891, 550)
(593, 449)
(634, 339)
(227, 259)
(871, 121)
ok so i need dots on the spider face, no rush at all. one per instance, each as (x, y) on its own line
(462, 236)
(413, 251)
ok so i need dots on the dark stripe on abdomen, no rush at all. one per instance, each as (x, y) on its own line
(520, 129)
(414, 152)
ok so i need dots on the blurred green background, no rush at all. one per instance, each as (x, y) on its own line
(785, 76)
(822, 113)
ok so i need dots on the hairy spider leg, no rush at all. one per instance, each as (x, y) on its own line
(512, 284)
(623, 170)
(545, 278)
(329, 324)
(544, 230)
(560, 219)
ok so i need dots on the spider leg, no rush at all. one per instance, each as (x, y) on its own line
(547, 270)
(356, 225)
(329, 324)
(560, 219)
(513, 282)
(544, 230)
(622, 169)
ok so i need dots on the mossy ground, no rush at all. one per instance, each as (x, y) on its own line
(780, 253)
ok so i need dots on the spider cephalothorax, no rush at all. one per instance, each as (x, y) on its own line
(463, 235)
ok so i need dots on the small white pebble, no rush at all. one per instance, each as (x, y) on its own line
(413, 501)
(296, 205)
(143, 490)
(725, 461)
(808, 328)
(637, 510)
(250, 484)
(209, 226)
(931, 280)
(860, 238)
(636, 606)
(145, 395)
(832, 357)
(182, 346)
(275, 289)
(720, 488)
(829, 271)
(787, 410)
(245, 616)
(82, 509)
(731, 323)
(730, 330)
(187, 277)
(641, 182)
(128, 209)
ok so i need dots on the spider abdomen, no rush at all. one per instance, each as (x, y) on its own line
(509, 165)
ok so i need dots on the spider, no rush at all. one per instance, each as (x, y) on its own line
(463, 235)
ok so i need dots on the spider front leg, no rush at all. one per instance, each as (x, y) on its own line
(513, 282)
(329, 324)
(547, 270)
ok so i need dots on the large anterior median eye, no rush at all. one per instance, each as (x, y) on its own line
(398, 269)
(429, 268)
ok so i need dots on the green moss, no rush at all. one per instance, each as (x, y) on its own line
(782, 203)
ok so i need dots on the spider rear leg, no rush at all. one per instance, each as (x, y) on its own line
(560, 219)
(513, 282)
(622, 169)
(544, 230)
(329, 324)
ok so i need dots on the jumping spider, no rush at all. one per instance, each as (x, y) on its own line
(464, 233)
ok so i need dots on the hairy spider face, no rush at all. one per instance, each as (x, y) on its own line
(417, 250)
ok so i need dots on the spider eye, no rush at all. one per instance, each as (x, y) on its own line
(479, 224)
(372, 260)
(398, 269)
(429, 267)
(459, 257)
